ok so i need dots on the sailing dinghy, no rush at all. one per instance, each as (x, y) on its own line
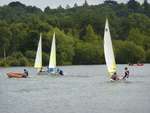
(38, 59)
(52, 69)
(108, 51)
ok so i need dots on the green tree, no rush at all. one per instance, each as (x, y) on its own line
(130, 53)
(47, 9)
(134, 6)
(68, 6)
(17, 59)
(19, 34)
(75, 5)
(136, 36)
(87, 53)
(148, 56)
(77, 28)
(140, 21)
(31, 41)
(146, 7)
(90, 35)
(5, 36)
(85, 3)
(30, 55)
(146, 42)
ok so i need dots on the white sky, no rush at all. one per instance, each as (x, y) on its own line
(55, 3)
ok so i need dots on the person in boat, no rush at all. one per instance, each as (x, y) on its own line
(115, 76)
(61, 72)
(41, 69)
(55, 70)
(130, 64)
(25, 73)
(49, 70)
(126, 73)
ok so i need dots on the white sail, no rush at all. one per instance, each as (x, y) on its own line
(38, 59)
(52, 61)
(108, 51)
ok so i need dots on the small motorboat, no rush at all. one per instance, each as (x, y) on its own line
(16, 75)
(138, 64)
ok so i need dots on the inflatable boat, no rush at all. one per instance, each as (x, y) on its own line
(16, 75)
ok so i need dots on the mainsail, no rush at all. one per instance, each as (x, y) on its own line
(52, 61)
(108, 51)
(38, 60)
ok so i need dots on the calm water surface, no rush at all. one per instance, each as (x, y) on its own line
(83, 89)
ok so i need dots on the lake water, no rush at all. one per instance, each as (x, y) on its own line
(83, 89)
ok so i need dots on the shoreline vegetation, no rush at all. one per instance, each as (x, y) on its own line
(79, 33)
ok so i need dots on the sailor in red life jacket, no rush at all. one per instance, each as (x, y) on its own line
(126, 73)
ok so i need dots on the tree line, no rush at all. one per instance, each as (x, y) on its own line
(79, 32)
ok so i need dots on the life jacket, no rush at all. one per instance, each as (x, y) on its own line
(126, 72)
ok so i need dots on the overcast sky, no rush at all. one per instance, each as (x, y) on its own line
(55, 3)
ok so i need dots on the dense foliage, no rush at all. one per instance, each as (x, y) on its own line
(79, 32)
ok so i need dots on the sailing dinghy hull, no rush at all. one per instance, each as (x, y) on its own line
(48, 74)
(42, 73)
